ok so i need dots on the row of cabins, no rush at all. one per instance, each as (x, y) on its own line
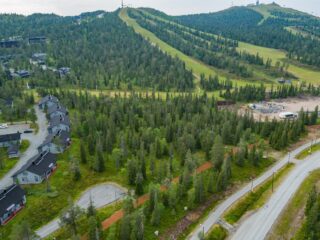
(16, 41)
(40, 167)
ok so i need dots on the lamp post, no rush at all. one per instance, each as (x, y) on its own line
(272, 180)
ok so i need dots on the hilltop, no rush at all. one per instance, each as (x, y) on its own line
(265, 25)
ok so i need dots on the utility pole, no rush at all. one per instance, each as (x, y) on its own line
(272, 180)
(252, 184)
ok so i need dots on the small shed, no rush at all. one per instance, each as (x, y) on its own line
(13, 151)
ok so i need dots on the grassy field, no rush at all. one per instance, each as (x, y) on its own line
(290, 220)
(217, 233)
(10, 162)
(161, 95)
(257, 198)
(196, 66)
(309, 151)
(303, 73)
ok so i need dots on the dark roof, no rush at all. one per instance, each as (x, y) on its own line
(9, 196)
(63, 135)
(37, 38)
(39, 164)
(57, 107)
(10, 137)
(48, 98)
(55, 121)
(13, 149)
(23, 73)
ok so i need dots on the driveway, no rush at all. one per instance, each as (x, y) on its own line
(218, 212)
(101, 195)
(259, 224)
(35, 141)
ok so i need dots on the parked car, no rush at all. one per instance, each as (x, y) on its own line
(28, 131)
(3, 126)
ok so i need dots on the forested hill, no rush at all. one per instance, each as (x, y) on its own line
(265, 25)
(98, 47)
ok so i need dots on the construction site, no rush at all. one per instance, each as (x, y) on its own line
(281, 108)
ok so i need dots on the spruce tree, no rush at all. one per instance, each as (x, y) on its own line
(83, 153)
(217, 152)
(125, 228)
(99, 165)
(139, 184)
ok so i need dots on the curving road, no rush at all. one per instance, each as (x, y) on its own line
(35, 141)
(217, 213)
(101, 195)
(259, 224)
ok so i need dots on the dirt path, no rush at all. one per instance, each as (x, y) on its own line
(141, 200)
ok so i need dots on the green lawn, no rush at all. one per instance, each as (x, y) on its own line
(257, 198)
(309, 151)
(303, 73)
(143, 93)
(217, 233)
(10, 162)
(284, 229)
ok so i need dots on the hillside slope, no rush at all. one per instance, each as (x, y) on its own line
(265, 25)
(260, 74)
(100, 49)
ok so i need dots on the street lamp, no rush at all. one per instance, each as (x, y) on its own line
(202, 235)
(272, 180)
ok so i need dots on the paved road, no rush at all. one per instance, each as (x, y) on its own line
(217, 213)
(101, 195)
(259, 224)
(35, 141)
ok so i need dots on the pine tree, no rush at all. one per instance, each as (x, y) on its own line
(211, 183)
(191, 198)
(138, 226)
(199, 189)
(224, 175)
(93, 233)
(128, 205)
(131, 171)
(83, 154)
(142, 161)
(125, 228)
(217, 152)
(99, 162)
(154, 194)
(71, 216)
(189, 162)
(139, 184)
(156, 214)
(91, 210)
(314, 116)
(23, 231)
